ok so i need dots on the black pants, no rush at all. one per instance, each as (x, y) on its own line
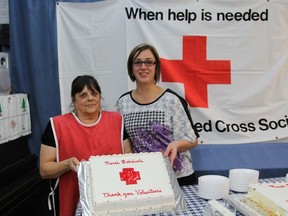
(187, 180)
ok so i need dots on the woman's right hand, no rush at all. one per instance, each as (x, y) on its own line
(49, 167)
(72, 164)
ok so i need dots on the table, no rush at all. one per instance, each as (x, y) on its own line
(195, 204)
(14, 117)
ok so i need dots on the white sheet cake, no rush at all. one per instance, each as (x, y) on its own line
(130, 184)
(271, 198)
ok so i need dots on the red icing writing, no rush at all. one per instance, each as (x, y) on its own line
(278, 186)
(139, 192)
(123, 162)
(131, 161)
(150, 191)
(112, 194)
(118, 194)
(111, 162)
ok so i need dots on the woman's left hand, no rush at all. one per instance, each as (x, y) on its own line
(178, 146)
(171, 152)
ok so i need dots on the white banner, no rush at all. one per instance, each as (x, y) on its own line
(229, 59)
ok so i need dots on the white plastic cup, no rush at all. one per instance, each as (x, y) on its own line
(287, 177)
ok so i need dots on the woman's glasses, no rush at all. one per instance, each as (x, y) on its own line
(148, 63)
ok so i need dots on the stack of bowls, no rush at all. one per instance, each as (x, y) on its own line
(213, 186)
(241, 178)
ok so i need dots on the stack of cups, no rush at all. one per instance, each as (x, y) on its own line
(241, 178)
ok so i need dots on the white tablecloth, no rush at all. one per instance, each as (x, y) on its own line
(14, 117)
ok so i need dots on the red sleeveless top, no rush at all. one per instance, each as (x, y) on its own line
(74, 139)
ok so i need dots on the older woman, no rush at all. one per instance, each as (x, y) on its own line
(75, 136)
(157, 119)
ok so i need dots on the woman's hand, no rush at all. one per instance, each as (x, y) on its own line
(49, 168)
(178, 146)
(72, 164)
(171, 152)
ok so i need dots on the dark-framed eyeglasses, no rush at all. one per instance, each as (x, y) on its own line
(148, 63)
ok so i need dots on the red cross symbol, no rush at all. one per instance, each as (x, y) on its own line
(129, 175)
(195, 71)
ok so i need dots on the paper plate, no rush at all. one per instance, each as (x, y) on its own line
(239, 179)
(213, 186)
